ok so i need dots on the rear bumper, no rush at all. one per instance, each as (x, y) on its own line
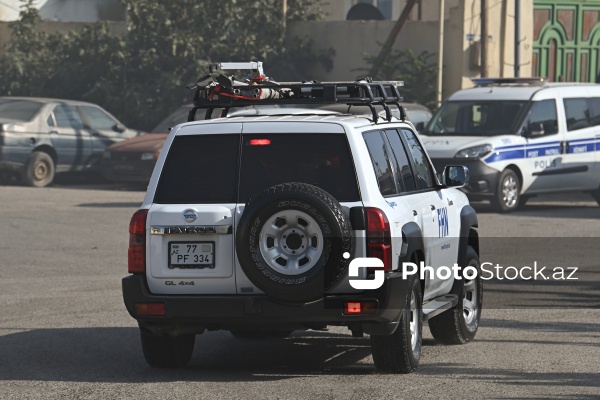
(186, 314)
(483, 179)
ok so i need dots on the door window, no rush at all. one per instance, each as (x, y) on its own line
(66, 116)
(404, 174)
(98, 119)
(542, 118)
(423, 169)
(578, 114)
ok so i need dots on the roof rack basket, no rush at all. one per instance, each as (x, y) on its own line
(217, 91)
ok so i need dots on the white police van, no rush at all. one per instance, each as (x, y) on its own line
(520, 137)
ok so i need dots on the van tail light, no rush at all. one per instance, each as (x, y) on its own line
(136, 262)
(379, 241)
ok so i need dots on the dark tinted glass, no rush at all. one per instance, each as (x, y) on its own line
(478, 118)
(543, 117)
(19, 110)
(382, 162)
(578, 114)
(200, 169)
(595, 101)
(404, 175)
(322, 160)
(423, 169)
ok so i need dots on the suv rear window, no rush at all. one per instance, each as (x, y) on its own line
(322, 160)
(203, 169)
(200, 169)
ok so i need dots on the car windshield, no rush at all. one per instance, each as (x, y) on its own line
(477, 118)
(19, 110)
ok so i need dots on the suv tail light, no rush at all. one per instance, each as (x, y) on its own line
(379, 237)
(136, 263)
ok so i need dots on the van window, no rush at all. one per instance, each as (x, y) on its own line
(578, 114)
(476, 118)
(542, 118)
(595, 103)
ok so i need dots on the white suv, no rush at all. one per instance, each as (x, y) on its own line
(250, 224)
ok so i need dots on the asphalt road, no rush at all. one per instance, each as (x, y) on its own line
(65, 334)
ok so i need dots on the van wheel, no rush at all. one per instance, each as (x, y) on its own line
(163, 351)
(400, 352)
(506, 198)
(459, 324)
(39, 170)
(291, 242)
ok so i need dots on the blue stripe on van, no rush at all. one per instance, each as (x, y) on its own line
(515, 152)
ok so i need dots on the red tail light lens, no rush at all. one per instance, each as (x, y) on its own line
(137, 243)
(379, 237)
(260, 142)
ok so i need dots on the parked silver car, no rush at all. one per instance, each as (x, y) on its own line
(41, 137)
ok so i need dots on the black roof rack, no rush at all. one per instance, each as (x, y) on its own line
(535, 81)
(217, 91)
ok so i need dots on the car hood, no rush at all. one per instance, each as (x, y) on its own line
(144, 143)
(448, 146)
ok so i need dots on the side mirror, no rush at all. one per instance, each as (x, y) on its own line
(455, 176)
(419, 126)
(119, 128)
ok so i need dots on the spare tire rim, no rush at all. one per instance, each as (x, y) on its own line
(291, 242)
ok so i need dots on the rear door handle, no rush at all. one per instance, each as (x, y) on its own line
(432, 207)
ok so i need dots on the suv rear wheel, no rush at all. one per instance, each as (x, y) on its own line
(400, 352)
(291, 241)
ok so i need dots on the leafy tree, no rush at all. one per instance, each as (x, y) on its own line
(141, 76)
(418, 71)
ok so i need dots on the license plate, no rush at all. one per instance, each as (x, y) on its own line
(191, 255)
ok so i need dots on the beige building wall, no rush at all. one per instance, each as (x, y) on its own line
(351, 40)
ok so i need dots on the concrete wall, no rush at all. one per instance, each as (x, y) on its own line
(462, 28)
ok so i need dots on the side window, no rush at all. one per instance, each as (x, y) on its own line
(98, 119)
(50, 120)
(595, 103)
(578, 114)
(423, 169)
(67, 117)
(542, 118)
(404, 175)
(382, 163)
